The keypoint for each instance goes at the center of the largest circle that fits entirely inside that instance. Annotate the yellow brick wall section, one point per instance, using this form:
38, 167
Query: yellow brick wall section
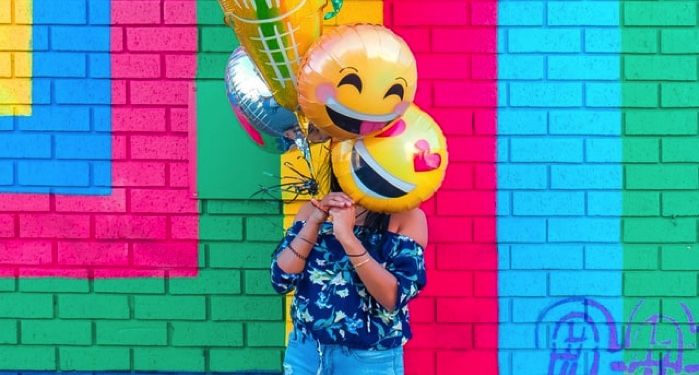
15, 57
353, 11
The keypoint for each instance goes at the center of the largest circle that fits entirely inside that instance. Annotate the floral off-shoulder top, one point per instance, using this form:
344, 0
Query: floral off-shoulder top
331, 303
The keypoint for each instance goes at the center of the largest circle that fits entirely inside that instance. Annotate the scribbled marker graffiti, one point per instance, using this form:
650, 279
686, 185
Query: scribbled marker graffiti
584, 326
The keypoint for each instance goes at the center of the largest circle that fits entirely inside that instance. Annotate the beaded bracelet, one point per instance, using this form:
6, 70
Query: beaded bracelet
296, 252
362, 263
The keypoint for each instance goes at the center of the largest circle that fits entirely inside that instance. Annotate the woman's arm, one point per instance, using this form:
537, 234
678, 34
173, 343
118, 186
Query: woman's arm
380, 283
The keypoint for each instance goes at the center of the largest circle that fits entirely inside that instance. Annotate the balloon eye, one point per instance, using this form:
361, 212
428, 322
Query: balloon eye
396, 89
352, 79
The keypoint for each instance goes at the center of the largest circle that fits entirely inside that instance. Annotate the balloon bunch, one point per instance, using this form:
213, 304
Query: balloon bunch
291, 87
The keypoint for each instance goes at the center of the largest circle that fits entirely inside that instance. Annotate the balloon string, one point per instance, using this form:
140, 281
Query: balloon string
337, 5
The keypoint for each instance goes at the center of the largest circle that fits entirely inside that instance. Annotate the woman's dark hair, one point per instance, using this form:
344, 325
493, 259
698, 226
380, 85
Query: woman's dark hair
374, 221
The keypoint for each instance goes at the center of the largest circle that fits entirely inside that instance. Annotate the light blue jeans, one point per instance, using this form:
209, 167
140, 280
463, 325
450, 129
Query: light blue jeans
306, 356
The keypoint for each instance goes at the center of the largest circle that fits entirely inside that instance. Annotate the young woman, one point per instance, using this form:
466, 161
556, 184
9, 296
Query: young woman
353, 279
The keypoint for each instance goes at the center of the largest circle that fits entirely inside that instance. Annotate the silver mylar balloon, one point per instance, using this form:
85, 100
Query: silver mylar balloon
273, 127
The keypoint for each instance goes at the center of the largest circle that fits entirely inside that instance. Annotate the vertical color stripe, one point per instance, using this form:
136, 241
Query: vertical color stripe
15, 57
559, 181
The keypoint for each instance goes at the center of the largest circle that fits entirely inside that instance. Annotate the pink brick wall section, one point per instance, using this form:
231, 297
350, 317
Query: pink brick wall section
148, 226
455, 318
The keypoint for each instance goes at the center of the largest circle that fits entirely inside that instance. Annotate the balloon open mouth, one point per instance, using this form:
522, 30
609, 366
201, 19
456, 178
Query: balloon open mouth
356, 122
374, 180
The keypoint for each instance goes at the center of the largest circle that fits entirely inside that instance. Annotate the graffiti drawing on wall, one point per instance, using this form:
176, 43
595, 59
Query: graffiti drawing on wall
579, 331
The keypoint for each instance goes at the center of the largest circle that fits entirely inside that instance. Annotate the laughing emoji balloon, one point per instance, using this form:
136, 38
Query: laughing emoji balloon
357, 79
394, 170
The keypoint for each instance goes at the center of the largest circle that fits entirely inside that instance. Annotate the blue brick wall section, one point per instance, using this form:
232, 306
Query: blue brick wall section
559, 177
65, 145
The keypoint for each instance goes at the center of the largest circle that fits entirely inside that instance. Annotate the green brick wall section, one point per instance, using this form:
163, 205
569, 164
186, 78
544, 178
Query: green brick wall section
660, 96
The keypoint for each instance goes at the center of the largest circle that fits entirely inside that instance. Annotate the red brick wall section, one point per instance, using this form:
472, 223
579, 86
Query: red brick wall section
455, 318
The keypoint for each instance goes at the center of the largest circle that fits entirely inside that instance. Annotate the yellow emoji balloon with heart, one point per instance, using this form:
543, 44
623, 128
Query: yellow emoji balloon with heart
397, 169
357, 79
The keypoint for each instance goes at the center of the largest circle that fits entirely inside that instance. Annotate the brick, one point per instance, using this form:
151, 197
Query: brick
583, 14
639, 40
438, 13
531, 40
207, 334
450, 229
130, 227
160, 92
641, 203
6, 173
94, 358
56, 332
660, 283
54, 226
7, 225
222, 228
641, 150
679, 95
265, 333
242, 255
603, 40
248, 308
585, 177
78, 118
680, 203
25, 146
173, 359
520, 13
162, 201
130, 286
180, 66
135, 12
603, 203
418, 37
131, 333
521, 283
73, 13
584, 68
520, 67
583, 230
208, 282
165, 39
669, 13
27, 252
656, 122
664, 230
452, 66
522, 177
471, 39
679, 40
258, 228
218, 39
545, 94
138, 174
588, 283
549, 149
23, 357
257, 282
661, 177
93, 306
84, 91
245, 359
609, 95
100, 66
90, 147
548, 203
93, 253
449, 284
53, 64
660, 68
169, 307
52, 173
518, 230
679, 258
611, 257
242, 207
607, 150
42, 284
184, 227
460, 94
116, 202
165, 254
680, 150
80, 38
179, 12
135, 66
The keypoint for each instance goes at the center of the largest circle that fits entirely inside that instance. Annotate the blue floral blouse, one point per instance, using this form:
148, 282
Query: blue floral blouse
332, 304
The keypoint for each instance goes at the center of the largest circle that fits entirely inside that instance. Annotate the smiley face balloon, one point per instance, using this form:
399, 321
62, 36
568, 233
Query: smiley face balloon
394, 170
356, 79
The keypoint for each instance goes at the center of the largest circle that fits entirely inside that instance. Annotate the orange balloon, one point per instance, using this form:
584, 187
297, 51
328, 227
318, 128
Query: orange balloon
356, 79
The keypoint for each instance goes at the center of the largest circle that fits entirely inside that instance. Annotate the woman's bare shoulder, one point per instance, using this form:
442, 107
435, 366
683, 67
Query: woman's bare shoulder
412, 223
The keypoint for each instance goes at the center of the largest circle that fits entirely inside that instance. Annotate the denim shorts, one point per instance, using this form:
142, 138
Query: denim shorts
306, 356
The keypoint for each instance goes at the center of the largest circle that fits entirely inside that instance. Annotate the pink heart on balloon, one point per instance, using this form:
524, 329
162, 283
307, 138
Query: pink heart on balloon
424, 160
